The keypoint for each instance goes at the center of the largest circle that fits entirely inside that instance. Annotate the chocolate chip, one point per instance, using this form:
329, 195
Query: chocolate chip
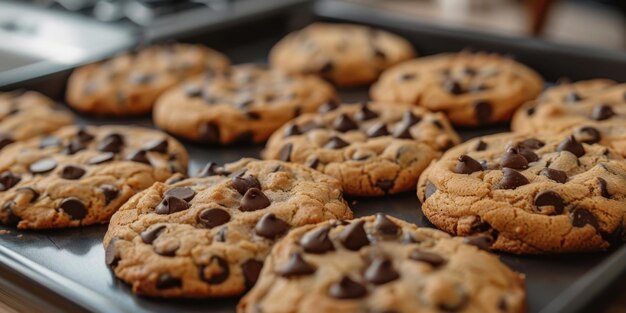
572, 97
150, 235
242, 104
285, 152
481, 145
74, 208
347, 288
602, 112
581, 217
223, 271
170, 205
111, 143
212, 169
5, 140
570, 144
270, 226
385, 185
512, 179
354, 237
111, 254
317, 241
10, 217
327, 68
101, 158
84, 136
386, 226
552, 200
482, 112
34, 194
435, 260
49, 141
292, 130
209, 132
403, 131
74, 146
604, 190
313, 163
296, 266
365, 113
453, 87
380, 271
43, 166
409, 119
344, 123
253, 200
242, 184
184, 193
167, 281
140, 157
590, 135
378, 130
407, 76
555, 175
251, 270
8, 180
379, 54
72, 172
481, 241
158, 145
330, 105
513, 159
110, 192
214, 217
531, 111
526, 152
430, 189
193, 91
336, 143
467, 165
140, 78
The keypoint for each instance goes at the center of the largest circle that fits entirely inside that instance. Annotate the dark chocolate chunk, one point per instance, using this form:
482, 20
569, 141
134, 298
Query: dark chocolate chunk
10, 218
570, 144
409, 119
158, 145
453, 87
215, 277
251, 270
430, 189
330, 105
111, 143
512, 179
140, 157
344, 123
8, 180
74, 146
604, 190
212, 169
386, 226
481, 145
532, 143
110, 192
111, 255
242, 184
192, 90
270, 226
209, 132
581, 217
170, 205
467, 165
431, 258
140, 78
43, 166
531, 111
602, 112
549, 199
555, 175
589, 135
385, 185
336, 143
317, 241
378, 130
292, 130
72, 172
513, 159
403, 131
482, 241
74, 208
83, 135
482, 112
5, 140
285, 152
184, 193
167, 281
213, 217
365, 113
347, 288
296, 266
150, 235
327, 68
381, 271
253, 200
101, 158
572, 97
313, 162
354, 237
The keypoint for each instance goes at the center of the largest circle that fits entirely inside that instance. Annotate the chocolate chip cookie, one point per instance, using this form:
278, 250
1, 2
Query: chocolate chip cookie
81, 176
373, 149
26, 114
345, 54
208, 236
245, 104
130, 83
529, 194
593, 111
472, 89
382, 264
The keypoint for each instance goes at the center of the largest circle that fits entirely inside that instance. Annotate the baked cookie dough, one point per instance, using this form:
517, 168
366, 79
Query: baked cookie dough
382, 264
208, 236
345, 54
26, 114
80, 176
472, 89
526, 194
245, 104
373, 149
594, 111
129, 84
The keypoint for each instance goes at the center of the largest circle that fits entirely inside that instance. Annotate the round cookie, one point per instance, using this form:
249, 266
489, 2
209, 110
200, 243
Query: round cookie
208, 236
472, 89
245, 104
593, 111
81, 176
373, 149
24, 115
529, 195
345, 54
382, 264
129, 84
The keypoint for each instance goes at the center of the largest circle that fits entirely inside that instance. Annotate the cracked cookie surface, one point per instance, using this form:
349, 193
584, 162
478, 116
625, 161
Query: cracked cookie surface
594, 111
245, 104
345, 54
472, 89
381, 264
528, 194
130, 83
24, 115
81, 176
208, 236
373, 149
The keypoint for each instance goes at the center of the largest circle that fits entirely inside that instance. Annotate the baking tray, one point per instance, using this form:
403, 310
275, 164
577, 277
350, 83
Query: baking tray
65, 271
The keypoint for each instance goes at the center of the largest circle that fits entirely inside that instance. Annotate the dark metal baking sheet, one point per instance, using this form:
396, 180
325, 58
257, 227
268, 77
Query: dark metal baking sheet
66, 266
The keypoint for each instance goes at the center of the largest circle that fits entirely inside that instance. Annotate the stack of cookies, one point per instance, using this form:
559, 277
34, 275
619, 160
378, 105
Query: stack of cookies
279, 228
